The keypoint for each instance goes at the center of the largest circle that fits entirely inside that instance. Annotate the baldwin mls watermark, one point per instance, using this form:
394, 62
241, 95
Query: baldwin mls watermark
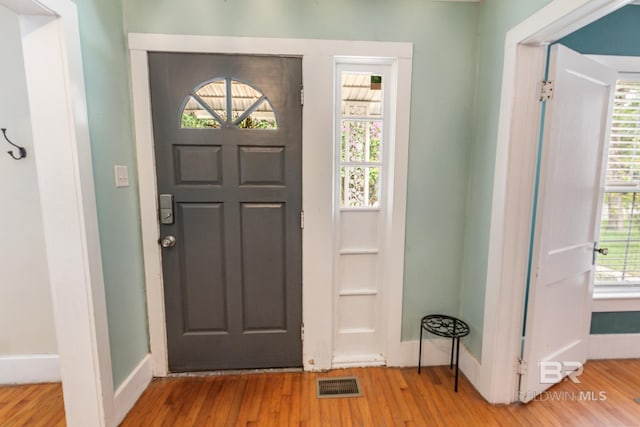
549, 396
552, 372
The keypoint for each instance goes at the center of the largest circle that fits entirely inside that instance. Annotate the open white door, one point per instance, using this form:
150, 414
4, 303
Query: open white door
559, 301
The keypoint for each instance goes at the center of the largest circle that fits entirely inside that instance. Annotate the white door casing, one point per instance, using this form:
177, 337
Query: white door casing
571, 184
318, 64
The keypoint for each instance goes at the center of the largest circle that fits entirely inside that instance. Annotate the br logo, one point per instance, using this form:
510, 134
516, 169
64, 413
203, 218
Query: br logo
552, 372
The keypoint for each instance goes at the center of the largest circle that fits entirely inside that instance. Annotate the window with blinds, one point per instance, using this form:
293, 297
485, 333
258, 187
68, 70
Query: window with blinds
620, 221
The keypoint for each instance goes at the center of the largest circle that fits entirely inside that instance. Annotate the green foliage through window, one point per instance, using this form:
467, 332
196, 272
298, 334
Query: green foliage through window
191, 121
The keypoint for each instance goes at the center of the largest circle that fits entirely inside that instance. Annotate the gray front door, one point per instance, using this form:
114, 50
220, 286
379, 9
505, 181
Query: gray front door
228, 142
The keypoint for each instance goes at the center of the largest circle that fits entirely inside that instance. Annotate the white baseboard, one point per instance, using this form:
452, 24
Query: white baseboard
470, 366
357, 361
435, 352
614, 346
30, 368
132, 388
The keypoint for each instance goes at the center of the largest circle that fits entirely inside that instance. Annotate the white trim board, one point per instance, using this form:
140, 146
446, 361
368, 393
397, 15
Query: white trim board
58, 110
622, 64
614, 346
30, 368
518, 129
360, 361
132, 388
318, 61
267, 46
22, 7
613, 303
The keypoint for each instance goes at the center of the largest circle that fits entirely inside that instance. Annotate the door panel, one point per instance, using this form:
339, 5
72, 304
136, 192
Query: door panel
233, 281
262, 166
575, 137
263, 275
203, 266
198, 165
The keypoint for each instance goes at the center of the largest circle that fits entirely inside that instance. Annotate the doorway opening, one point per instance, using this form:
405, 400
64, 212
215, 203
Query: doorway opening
525, 55
57, 109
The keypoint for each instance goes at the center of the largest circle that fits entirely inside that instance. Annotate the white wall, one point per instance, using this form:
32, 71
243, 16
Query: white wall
26, 317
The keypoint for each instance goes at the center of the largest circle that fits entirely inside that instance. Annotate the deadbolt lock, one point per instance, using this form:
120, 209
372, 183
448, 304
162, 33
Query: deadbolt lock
166, 209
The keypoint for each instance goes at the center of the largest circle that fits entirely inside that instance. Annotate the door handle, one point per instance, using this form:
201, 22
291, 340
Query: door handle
602, 251
597, 250
168, 242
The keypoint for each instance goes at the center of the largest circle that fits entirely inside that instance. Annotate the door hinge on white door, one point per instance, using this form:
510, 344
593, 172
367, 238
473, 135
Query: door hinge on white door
521, 367
302, 332
546, 91
301, 219
302, 96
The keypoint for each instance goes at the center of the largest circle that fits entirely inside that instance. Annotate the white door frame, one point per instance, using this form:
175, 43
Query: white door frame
58, 112
518, 132
318, 61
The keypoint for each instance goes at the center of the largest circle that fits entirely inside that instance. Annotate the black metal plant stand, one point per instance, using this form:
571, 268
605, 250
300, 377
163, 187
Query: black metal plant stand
447, 327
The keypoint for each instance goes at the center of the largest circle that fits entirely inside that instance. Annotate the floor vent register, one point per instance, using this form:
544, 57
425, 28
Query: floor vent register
338, 387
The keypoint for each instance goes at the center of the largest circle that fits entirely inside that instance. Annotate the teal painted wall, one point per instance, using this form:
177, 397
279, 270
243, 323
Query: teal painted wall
496, 18
444, 37
110, 125
616, 34
626, 322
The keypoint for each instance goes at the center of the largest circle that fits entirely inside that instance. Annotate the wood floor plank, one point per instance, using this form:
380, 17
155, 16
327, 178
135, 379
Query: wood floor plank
294, 404
203, 417
379, 397
250, 396
391, 397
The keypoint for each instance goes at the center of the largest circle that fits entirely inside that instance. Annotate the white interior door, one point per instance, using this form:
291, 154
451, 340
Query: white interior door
559, 300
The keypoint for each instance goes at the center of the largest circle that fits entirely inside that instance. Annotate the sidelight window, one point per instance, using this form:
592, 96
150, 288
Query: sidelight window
360, 134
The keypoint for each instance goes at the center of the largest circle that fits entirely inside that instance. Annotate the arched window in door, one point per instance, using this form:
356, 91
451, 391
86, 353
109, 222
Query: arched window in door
227, 103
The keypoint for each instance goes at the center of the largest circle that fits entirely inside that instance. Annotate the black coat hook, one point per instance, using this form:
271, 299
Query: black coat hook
21, 150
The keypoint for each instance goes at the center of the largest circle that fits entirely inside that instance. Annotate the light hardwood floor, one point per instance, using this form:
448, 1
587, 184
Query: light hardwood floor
392, 397
32, 405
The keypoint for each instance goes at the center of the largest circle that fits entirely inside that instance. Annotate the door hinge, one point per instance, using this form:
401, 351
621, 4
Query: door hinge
521, 367
301, 219
546, 92
302, 96
302, 332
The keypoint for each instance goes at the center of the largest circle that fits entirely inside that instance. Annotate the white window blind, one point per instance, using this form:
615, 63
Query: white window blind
623, 165
620, 222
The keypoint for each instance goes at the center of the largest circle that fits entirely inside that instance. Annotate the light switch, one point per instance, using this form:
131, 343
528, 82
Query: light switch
122, 176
